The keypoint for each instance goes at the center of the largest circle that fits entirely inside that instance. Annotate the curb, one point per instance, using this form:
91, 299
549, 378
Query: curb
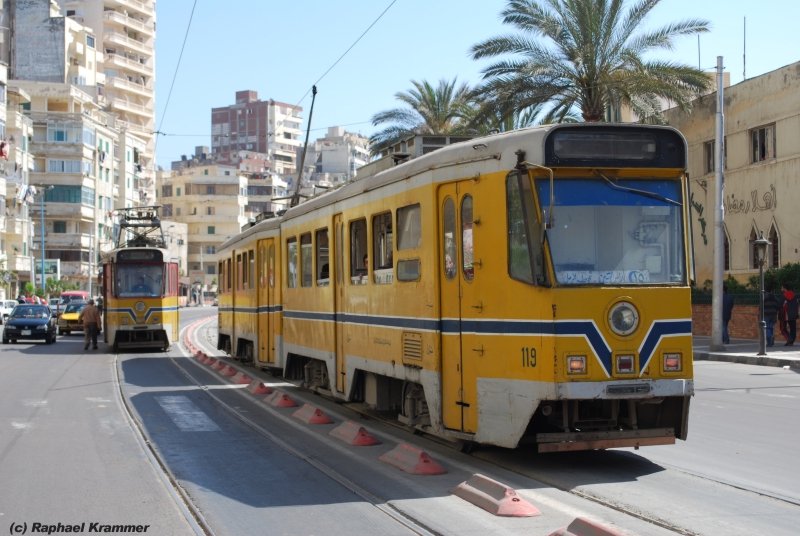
748, 359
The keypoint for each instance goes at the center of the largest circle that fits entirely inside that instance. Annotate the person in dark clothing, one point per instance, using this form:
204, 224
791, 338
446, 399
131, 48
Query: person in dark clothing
727, 312
790, 312
771, 306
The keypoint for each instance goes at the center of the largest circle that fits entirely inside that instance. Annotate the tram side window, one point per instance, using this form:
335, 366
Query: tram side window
359, 259
305, 259
239, 271
449, 239
245, 279
467, 246
409, 237
382, 248
291, 263
525, 257
271, 266
251, 270
323, 258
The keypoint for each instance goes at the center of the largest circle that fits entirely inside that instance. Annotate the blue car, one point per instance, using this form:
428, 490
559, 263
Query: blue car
30, 322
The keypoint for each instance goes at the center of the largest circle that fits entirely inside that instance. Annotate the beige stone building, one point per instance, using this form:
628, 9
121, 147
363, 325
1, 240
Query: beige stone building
210, 200
761, 171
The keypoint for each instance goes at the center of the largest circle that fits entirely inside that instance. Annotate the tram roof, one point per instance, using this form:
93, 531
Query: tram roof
481, 155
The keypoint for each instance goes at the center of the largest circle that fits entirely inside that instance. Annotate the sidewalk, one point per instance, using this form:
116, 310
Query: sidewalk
746, 351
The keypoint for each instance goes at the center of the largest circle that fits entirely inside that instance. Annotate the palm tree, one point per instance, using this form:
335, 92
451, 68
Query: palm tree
586, 55
439, 110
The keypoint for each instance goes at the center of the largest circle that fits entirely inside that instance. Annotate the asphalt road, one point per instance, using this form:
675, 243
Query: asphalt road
68, 452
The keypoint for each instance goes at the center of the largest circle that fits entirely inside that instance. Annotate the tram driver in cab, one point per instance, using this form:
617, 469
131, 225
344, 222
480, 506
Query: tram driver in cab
142, 288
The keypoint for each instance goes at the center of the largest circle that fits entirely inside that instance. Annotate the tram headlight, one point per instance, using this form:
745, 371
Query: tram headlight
672, 362
623, 318
576, 364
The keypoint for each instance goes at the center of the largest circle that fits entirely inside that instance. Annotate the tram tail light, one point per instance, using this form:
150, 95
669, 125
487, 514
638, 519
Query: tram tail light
625, 364
672, 362
576, 364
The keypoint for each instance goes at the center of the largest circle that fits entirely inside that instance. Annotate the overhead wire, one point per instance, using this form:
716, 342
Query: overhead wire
374, 22
174, 77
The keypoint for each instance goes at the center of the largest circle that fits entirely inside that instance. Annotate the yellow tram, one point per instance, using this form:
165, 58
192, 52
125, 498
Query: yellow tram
140, 285
526, 287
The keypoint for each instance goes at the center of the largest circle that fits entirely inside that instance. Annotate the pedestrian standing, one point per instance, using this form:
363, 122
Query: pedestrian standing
727, 312
90, 317
771, 306
790, 312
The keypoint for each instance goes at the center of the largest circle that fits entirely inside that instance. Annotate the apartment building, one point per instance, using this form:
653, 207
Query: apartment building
78, 152
75, 155
761, 171
210, 199
17, 230
124, 34
268, 127
337, 156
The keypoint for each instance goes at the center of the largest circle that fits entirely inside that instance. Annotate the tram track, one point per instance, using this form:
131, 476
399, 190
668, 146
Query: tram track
616, 503
379, 503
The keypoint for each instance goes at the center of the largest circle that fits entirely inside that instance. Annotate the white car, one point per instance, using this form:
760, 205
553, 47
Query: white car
6, 306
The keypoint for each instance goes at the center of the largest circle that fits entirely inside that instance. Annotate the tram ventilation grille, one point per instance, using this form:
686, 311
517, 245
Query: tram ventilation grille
412, 346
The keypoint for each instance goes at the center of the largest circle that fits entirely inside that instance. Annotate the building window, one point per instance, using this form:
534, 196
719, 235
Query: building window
90, 41
710, 159
753, 249
774, 248
59, 227
211, 229
763, 143
210, 211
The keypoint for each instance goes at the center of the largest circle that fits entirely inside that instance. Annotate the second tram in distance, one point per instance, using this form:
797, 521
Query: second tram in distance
140, 285
527, 287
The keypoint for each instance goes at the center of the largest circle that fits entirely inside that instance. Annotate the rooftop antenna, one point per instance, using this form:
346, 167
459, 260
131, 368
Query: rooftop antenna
698, 52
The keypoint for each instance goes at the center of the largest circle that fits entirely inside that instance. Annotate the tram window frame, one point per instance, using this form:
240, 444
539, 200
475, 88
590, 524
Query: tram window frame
251, 276
409, 227
323, 254
291, 262
358, 250
467, 237
449, 240
526, 229
245, 263
306, 263
239, 281
382, 244
271, 266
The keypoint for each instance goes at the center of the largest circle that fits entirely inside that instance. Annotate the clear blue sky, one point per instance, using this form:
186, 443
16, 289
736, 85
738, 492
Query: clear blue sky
280, 49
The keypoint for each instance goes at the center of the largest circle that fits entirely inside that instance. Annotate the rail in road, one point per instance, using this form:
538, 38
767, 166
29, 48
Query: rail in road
243, 479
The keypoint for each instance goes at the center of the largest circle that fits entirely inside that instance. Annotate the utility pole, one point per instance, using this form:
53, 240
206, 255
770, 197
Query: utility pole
719, 219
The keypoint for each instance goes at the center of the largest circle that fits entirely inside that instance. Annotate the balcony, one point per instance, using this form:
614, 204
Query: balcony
135, 5
130, 22
18, 263
141, 66
127, 106
124, 84
119, 38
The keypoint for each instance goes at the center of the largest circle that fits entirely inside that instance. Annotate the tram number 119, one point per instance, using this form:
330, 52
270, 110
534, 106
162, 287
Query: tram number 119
528, 357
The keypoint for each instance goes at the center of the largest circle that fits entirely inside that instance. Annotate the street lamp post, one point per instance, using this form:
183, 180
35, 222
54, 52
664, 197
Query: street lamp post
761, 254
41, 201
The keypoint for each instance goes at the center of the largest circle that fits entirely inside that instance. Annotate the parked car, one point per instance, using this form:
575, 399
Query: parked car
68, 321
6, 306
30, 322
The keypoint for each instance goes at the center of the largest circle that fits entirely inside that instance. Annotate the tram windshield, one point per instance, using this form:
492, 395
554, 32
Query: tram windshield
615, 231
139, 280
